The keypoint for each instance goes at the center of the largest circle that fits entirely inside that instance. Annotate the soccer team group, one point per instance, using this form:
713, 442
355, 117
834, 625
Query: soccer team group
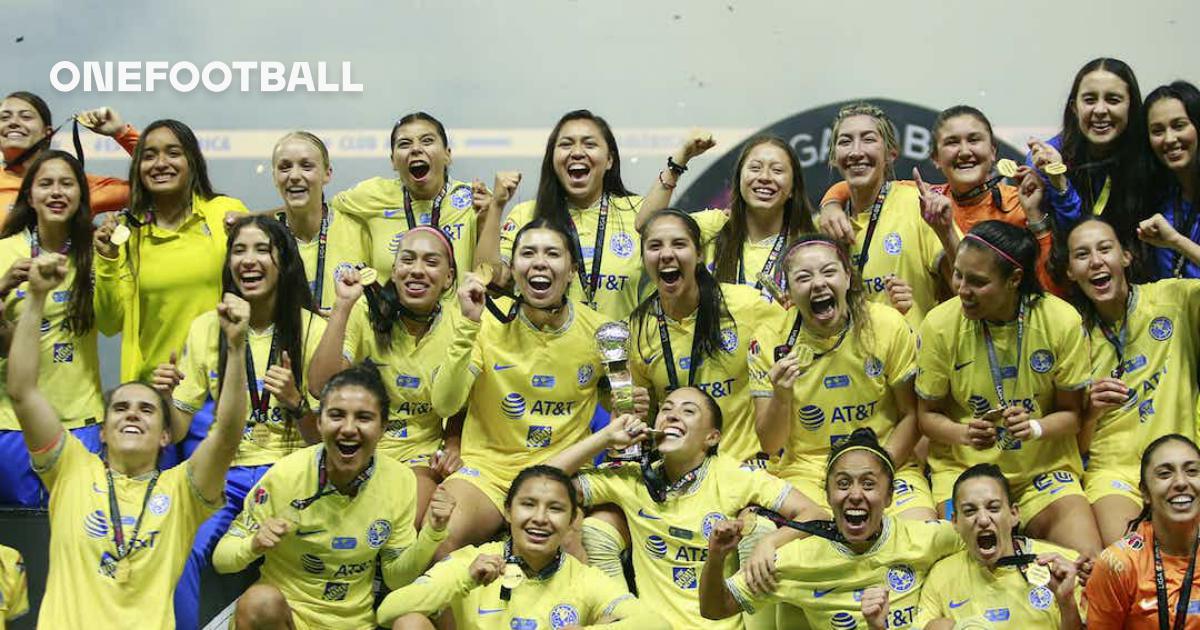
970, 404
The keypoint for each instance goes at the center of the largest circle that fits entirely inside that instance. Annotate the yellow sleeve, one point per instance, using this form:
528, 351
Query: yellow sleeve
608, 484
402, 562
762, 488
64, 461
357, 201
900, 355
234, 552
452, 381
1074, 370
609, 598
517, 218
741, 593
15, 587
112, 292
932, 597
193, 390
933, 360
710, 221
358, 327
444, 582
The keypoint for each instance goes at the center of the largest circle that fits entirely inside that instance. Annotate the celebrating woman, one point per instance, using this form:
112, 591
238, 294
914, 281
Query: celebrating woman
1145, 376
832, 364
52, 214
1002, 377
1172, 118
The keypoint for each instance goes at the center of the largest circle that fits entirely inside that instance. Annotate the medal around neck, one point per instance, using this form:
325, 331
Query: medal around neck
513, 576
1037, 575
804, 355
485, 272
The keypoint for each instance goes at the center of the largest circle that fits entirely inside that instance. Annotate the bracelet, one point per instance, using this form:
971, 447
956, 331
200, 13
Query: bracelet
665, 184
1041, 226
1035, 427
675, 167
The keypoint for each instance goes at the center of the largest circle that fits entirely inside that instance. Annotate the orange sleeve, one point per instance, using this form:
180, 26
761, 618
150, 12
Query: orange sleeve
838, 193
1110, 590
127, 138
108, 194
1045, 246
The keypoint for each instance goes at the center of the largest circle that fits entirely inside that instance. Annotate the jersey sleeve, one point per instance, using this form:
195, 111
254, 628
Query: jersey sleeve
761, 357
14, 586
405, 554
749, 601
357, 201
107, 194
609, 598
710, 221
193, 389
1189, 296
759, 487
838, 193
433, 591
1075, 369
518, 217
452, 380
933, 361
900, 355
234, 552
358, 327
61, 463
931, 606
608, 484
1110, 590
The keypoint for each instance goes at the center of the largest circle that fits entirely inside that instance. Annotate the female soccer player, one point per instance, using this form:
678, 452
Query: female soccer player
672, 505
1000, 577
527, 581
768, 207
25, 132
168, 272
263, 267
1145, 580
324, 514
404, 332
422, 194
862, 563
121, 528
580, 191
1002, 377
694, 331
1172, 117
1101, 144
52, 214
1144, 361
835, 363
330, 242
536, 364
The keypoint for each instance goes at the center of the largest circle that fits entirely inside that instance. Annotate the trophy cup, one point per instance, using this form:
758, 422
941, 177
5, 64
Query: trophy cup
612, 340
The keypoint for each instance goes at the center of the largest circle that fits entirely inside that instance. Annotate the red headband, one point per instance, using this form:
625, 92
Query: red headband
998, 251
441, 236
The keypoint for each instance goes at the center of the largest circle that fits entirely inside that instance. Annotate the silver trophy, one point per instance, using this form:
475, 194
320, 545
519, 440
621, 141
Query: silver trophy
612, 340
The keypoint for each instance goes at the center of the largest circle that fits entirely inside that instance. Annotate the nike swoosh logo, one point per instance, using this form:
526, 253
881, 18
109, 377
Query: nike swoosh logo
496, 367
488, 611
954, 604
817, 593
650, 359
642, 513
959, 366
308, 532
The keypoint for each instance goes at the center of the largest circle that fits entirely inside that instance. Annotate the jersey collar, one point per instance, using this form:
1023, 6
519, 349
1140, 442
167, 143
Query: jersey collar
885, 533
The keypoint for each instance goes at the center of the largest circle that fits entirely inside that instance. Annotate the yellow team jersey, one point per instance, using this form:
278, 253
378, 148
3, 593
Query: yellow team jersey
14, 589
200, 364
535, 392
825, 579
69, 366
85, 588
165, 279
725, 376
961, 589
325, 565
903, 245
572, 595
755, 254
414, 429
848, 388
670, 539
953, 364
1159, 364
618, 284
347, 244
379, 202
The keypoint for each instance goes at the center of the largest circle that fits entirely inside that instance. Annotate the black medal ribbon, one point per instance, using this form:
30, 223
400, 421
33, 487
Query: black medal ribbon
994, 362
591, 283
125, 548
322, 241
435, 211
664, 338
324, 488
1185, 591
260, 401
872, 223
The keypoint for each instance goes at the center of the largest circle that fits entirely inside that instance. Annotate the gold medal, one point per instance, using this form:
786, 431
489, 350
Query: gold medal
748, 525
119, 235
1006, 167
1055, 168
1037, 575
804, 355
367, 276
485, 272
123, 571
513, 576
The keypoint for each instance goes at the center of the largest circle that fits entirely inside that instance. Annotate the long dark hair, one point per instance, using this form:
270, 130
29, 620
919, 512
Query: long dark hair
542, 471
1060, 261
81, 315
856, 295
1126, 166
364, 375
43, 110
711, 309
568, 237
797, 210
292, 294
1146, 512
1162, 181
551, 195
414, 117
198, 183
1018, 243
384, 307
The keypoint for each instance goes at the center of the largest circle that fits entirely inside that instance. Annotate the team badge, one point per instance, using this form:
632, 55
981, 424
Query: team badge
710, 522
892, 243
1041, 598
1041, 361
729, 340
656, 547
513, 406
159, 504
260, 495
901, 578
621, 244
873, 367
585, 374
378, 533
61, 297
1161, 328
563, 615
341, 270
461, 198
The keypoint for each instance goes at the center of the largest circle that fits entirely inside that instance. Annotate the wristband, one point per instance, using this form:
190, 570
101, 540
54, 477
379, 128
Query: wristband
677, 168
1041, 226
664, 184
1035, 427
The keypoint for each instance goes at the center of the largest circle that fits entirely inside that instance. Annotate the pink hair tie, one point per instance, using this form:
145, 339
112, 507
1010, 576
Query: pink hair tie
816, 241
441, 236
998, 251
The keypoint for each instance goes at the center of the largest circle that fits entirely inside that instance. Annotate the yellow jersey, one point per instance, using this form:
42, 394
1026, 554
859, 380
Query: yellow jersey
347, 244
200, 365
960, 588
1159, 364
755, 254
725, 376
379, 203
534, 391
620, 275
670, 539
14, 588
851, 386
325, 565
69, 367
825, 579
953, 364
552, 601
165, 279
86, 588
413, 429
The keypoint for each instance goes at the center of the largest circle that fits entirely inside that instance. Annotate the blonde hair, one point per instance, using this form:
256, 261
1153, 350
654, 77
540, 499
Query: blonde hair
883, 124
303, 136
